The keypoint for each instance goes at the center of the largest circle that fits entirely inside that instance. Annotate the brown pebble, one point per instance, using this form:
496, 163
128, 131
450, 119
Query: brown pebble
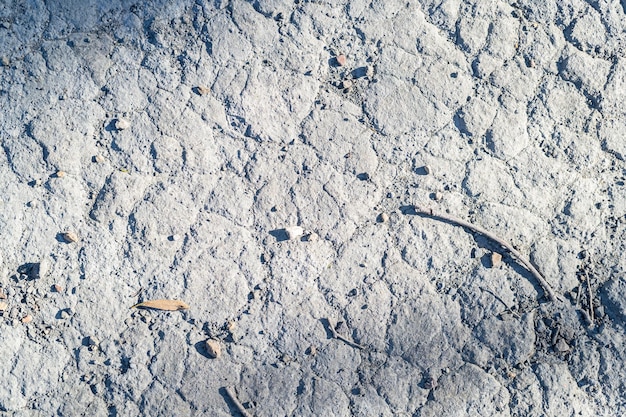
341, 60
213, 348
58, 288
383, 218
3, 305
70, 237
231, 325
99, 159
203, 90
5, 61
27, 319
3, 296
496, 259
312, 350
60, 174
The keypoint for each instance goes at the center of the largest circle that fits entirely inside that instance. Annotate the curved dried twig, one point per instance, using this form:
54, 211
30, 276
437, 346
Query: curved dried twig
530, 267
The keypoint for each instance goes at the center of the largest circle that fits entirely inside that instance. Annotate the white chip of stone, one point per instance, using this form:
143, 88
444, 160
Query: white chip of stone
294, 232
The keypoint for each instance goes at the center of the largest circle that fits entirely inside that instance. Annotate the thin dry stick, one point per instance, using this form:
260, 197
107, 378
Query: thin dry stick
546, 287
591, 316
342, 338
231, 394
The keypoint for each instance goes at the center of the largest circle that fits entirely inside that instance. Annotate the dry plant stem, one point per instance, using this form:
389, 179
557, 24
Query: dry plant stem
591, 316
342, 338
231, 394
544, 284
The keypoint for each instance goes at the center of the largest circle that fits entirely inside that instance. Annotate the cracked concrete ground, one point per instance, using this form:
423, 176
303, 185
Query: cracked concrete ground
178, 140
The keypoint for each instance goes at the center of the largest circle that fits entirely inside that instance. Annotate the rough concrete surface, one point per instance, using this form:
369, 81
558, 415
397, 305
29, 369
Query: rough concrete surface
259, 160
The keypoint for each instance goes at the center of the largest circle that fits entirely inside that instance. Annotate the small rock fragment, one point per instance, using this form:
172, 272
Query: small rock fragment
496, 259
32, 203
294, 232
312, 350
65, 314
5, 61
312, 237
60, 174
122, 124
438, 196
427, 169
346, 84
3, 305
341, 60
70, 237
99, 159
92, 341
562, 346
203, 90
27, 319
383, 218
370, 71
213, 348
3, 296
57, 288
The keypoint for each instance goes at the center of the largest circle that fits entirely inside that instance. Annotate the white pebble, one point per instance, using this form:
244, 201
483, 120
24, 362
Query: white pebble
312, 237
122, 124
294, 232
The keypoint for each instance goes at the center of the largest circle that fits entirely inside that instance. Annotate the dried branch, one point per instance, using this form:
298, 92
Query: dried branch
544, 284
343, 338
231, 394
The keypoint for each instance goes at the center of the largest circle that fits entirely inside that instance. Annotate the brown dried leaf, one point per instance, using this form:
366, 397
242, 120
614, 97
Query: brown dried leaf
169, 305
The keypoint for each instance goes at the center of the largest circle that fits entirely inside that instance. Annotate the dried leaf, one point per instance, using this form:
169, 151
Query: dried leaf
169, 305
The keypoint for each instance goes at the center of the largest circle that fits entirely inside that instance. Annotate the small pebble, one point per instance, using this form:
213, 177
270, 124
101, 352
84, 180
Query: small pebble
5, 61
438, 196
57, 288
92, 341
383, 218
312, 350
27, 319
3, 305
60, 174
294, 232
213, 348
346, 84
32, 203
3, 296
312, 237
122, 124
370, 71
562, 346
70, 237
99, 159
174, 238
496, 259
341, 60
38, 182
65, 314
203, 90
43, 268
427, 169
